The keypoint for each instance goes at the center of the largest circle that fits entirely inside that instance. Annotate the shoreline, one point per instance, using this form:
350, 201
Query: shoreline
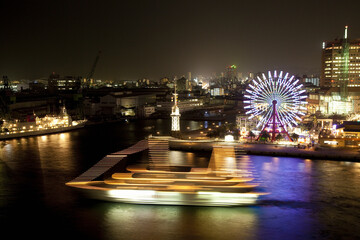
270, 150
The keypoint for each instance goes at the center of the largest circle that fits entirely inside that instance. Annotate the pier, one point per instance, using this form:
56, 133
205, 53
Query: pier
270, 149
107, 163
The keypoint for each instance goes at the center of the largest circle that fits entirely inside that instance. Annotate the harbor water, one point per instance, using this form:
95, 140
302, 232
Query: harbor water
309, 199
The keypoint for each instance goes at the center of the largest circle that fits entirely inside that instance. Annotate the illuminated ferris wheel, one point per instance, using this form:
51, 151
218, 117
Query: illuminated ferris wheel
276, 101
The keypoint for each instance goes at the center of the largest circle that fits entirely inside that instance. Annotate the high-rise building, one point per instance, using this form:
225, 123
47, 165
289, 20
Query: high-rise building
231, 72
341, 63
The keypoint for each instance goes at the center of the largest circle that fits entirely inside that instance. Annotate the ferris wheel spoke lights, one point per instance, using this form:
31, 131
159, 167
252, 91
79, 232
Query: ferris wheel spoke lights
276, 101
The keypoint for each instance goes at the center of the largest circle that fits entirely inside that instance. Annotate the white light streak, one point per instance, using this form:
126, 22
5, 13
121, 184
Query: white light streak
288, 93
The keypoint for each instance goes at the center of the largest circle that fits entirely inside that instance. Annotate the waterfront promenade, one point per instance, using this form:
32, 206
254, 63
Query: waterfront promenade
270, 149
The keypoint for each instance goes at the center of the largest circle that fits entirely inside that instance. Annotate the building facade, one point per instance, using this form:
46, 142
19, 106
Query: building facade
57, 83
314, 80
340, 62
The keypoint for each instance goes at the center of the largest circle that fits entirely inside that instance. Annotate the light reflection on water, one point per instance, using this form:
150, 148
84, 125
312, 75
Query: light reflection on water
309, 199
176, 222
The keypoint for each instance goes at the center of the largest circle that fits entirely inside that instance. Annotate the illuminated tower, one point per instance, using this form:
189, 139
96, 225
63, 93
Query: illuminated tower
175, 116
344, 69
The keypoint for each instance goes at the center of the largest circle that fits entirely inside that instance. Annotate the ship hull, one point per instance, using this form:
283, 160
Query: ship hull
5, 136
172, 198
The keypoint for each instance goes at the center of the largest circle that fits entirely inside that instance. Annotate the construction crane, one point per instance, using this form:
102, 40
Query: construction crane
91, 73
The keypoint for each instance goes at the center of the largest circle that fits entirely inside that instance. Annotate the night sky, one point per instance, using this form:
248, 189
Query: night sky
164, 38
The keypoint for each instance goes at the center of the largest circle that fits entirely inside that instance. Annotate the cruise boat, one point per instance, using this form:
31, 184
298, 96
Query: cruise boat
40, 126
227, 181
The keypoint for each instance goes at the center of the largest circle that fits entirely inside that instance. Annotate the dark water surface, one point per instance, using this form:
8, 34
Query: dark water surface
308, 200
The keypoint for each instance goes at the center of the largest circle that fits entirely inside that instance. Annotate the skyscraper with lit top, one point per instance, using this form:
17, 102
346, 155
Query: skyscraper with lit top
341, 74
341, 63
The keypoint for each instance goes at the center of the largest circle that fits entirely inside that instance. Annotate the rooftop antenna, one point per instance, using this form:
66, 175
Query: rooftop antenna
346, 32
175, 94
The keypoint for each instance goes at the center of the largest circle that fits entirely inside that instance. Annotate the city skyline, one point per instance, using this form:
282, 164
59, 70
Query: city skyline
154, 39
